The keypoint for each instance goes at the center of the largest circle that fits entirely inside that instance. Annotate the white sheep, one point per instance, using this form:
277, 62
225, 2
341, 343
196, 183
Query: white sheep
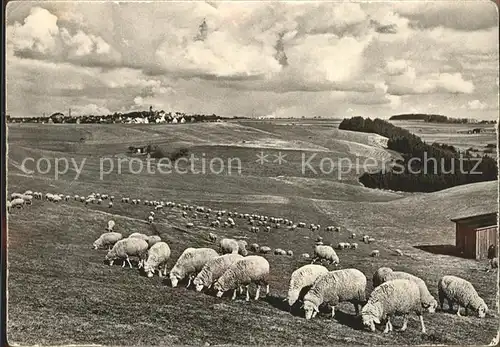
152, 240
242, 250
395, 297
354, 245
111, 225
251, 269
28, 199
458, 290
289, 253
8, 206
305, 255
385, 274
302, 279
151, 219
323, 252
190, 263
264, 249
107, 240
16, 196
398, 252
254, 247
110, 204
125, 248
212, 237
158, 255
228, 246
17, 202
334, 287
213, 269
138, 236
375, 253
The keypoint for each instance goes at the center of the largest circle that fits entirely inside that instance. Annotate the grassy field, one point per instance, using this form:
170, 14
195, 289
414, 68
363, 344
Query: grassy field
61, 292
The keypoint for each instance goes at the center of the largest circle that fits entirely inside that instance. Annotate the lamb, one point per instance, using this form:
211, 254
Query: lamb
334, 287
125, 248
385, 274
107, 239
214, 269
251, 269
228, 246
152, 240
158, 255
322, 252
190, 263
302, 279
111, 225
457, 290
395, 297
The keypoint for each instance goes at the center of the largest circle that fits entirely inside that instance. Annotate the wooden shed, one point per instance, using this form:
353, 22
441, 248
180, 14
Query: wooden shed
475, 234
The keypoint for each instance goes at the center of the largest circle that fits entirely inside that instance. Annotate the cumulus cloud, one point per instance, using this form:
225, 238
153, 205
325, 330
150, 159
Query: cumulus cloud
40, 37
90, 109
476, 105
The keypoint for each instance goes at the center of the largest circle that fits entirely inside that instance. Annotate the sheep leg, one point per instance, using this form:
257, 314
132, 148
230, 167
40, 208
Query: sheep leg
111, 263
333, 311
241, 290
422, 324
356, 308
388, 325
124, 262
234, 295
267, 289
248, 295
405, 323
129, 263
189, 282
257, 292
458, 311
160, 272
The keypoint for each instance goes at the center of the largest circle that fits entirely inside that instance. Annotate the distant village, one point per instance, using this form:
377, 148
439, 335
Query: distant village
136, 117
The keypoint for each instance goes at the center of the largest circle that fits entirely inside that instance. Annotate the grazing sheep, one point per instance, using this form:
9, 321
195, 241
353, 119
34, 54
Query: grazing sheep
190, 263
228, 246
375, 253
28, 199
305, 255
264, 249
322, 252
279, 251
385, 274
158, 255
334, 287
151, 219
353, 236
110, 204
457, 290
254, 247
365, 239
17, 202
289, 253
152, 240
189, 225
107, 240
125, 248
242, 244
354, 245
493, 264
251, 269
371, 240
19, 195
395, 297
212, 237
302, 279
112, 197
214, 269
138, 236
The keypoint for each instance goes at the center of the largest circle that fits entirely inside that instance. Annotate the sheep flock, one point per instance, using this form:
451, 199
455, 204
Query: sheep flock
231, 265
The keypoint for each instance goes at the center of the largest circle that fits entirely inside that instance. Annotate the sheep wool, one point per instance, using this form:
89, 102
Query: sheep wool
334, 287
107, 240
152, 240
138, 236
395, 297
242, 250
458, 290
125, 248
190, 262
323, 252
158, 255
213, 269
387, 274
302, 279
251, 269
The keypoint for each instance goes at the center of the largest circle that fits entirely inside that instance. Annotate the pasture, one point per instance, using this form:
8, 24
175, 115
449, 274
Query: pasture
60, 291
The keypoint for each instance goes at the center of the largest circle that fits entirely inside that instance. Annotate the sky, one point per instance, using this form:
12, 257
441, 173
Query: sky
282, 59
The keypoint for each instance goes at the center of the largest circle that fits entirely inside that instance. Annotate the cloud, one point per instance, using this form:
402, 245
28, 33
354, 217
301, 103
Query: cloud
476, 105
457, 15
40, 37
90, 109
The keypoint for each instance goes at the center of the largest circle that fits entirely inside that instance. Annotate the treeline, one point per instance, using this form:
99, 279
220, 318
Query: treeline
435, 118
425, 167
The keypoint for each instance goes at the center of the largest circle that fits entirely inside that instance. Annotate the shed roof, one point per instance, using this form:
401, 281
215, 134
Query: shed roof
472, 217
